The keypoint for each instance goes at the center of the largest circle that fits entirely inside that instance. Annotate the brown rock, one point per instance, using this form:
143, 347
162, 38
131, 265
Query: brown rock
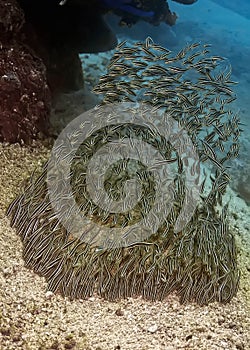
24, 94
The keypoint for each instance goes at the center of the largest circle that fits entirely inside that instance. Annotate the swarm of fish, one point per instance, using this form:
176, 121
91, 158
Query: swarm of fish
198, 263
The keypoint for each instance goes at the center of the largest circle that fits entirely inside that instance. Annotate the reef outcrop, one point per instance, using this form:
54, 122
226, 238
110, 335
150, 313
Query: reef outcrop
40, 45
25, 97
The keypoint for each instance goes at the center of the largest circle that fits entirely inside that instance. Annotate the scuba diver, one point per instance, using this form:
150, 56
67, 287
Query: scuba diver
152, 11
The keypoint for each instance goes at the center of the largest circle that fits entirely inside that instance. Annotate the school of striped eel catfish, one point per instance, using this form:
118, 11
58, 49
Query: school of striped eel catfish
199, 262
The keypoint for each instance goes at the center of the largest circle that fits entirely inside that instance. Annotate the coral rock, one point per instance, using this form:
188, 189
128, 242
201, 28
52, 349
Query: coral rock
11, 17
25, 97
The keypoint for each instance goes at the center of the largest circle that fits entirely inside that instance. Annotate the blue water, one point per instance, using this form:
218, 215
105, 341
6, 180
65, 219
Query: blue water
226, 26
206, 21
